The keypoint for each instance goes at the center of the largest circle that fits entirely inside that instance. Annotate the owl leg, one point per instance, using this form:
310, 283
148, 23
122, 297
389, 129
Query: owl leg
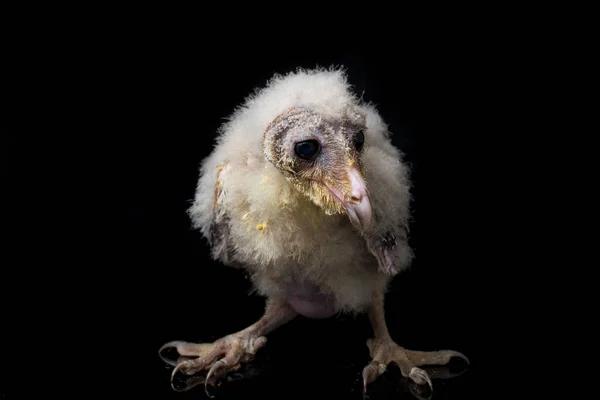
216, 359
383, 351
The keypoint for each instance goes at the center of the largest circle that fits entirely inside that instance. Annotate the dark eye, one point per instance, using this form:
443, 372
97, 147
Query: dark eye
307, 149
359, 141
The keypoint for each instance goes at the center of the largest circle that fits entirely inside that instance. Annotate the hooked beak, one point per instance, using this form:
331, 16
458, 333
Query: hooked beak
356, 202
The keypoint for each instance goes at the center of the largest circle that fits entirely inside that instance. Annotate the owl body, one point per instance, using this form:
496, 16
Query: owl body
256, 215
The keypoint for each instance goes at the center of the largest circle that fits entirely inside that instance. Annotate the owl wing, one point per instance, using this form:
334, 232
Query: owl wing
218, 236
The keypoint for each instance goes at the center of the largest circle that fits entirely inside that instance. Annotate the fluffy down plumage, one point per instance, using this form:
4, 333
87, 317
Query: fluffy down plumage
255, 219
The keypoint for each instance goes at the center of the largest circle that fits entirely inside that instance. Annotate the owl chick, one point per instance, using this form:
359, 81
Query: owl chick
305, 191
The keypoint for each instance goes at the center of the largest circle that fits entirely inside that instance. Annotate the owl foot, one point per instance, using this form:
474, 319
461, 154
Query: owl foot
209, 362
384, 352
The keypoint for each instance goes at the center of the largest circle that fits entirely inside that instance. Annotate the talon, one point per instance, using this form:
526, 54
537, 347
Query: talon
458, 354
441, 357
183, 349
184, 367
371, 372
170, 345
420, 377
189, 383
217, 365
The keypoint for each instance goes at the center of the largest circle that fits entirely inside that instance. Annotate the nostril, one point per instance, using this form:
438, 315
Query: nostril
355, 198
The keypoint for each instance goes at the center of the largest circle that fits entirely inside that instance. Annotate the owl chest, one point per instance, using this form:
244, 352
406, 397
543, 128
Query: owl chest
319, 244
329, 242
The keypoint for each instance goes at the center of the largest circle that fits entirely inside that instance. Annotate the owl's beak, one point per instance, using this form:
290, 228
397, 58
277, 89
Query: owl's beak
355, 200
359, 206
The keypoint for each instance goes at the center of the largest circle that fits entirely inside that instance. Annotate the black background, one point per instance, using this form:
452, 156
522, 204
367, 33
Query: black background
127, 106
180, 294
128, 112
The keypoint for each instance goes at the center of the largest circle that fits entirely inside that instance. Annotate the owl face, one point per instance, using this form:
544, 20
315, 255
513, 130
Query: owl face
322, 158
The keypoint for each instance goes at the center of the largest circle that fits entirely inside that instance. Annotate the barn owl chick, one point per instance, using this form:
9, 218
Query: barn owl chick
305, 191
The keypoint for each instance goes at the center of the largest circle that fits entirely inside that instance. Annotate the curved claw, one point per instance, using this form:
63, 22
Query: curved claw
183, 366
173, 343
371, 372
164, 347
217, 365
441, 357
457, 354
182, 348
420, 377
190, 382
